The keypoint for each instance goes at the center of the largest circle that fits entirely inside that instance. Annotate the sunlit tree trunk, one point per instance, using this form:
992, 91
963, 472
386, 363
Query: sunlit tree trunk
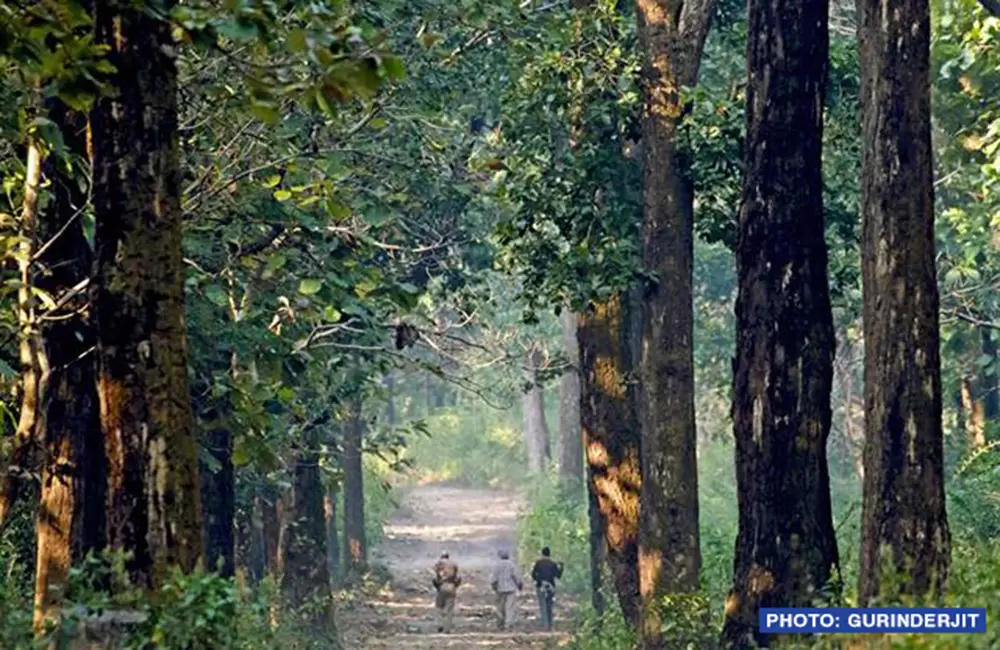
152, 450
71, 510
904, 523
612, 445
786, 549
671, 38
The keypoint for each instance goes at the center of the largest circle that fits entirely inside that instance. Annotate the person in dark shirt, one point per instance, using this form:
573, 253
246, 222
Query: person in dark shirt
545, 573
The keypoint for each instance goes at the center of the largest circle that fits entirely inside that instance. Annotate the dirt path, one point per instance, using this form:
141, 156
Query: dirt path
472, 525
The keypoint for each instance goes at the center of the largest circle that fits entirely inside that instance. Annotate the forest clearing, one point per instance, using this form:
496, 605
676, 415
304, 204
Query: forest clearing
583, 324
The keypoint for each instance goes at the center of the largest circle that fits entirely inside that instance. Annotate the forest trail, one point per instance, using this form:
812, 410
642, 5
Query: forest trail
471, 524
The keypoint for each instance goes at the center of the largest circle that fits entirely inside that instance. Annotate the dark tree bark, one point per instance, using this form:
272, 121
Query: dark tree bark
904, 523
612, 444
671, 38
306, 575
218, 498
138, 297
71, 512
355, 545
786, 549
536, 429
570, 437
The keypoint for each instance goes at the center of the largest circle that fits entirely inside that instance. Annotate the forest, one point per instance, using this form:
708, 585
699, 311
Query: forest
297, 297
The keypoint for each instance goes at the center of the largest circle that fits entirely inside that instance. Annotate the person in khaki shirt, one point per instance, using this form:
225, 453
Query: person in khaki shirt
446, 582
506, 582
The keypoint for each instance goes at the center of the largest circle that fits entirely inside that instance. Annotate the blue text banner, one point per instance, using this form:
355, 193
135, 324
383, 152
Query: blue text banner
874, 620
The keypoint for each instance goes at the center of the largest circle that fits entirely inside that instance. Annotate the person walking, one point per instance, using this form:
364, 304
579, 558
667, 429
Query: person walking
506, 582
545, 573
446, 582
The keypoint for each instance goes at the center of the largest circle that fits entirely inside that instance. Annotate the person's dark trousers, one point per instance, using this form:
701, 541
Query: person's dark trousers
546, 596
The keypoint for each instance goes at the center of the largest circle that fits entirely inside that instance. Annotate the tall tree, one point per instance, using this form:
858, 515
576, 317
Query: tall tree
355, 544
71, 511
306, 575
671, 38
536, 429
783, 374
612, 447
138, 298
904, 523
570, 440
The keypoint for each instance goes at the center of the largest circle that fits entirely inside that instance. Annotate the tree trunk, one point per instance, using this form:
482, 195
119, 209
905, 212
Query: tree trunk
904, 523
332, 538
22, 467
783, 373
71, 513
355, 546
146, 418
853, 430
571, 440
989, 387
536, 430
671, 38
306, 575
598, 552
271, 519
975, 414
612, 439
219, 501
257, 547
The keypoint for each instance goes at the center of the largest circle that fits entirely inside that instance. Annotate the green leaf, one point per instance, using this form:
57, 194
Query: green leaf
216, 295
310, 286
331, 314
394, 67
265, 112
365, 288
337, 210
378, 123
282, 195
272, 181
241, 455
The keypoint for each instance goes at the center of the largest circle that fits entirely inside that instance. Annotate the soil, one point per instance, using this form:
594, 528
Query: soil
472, 525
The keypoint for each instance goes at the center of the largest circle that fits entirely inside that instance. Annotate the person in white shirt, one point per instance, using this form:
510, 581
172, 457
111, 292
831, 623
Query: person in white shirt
506, 583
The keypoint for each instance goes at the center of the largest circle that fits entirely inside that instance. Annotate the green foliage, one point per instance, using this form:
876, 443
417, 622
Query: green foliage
608, 632
557, 520
473, 446
571, 191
